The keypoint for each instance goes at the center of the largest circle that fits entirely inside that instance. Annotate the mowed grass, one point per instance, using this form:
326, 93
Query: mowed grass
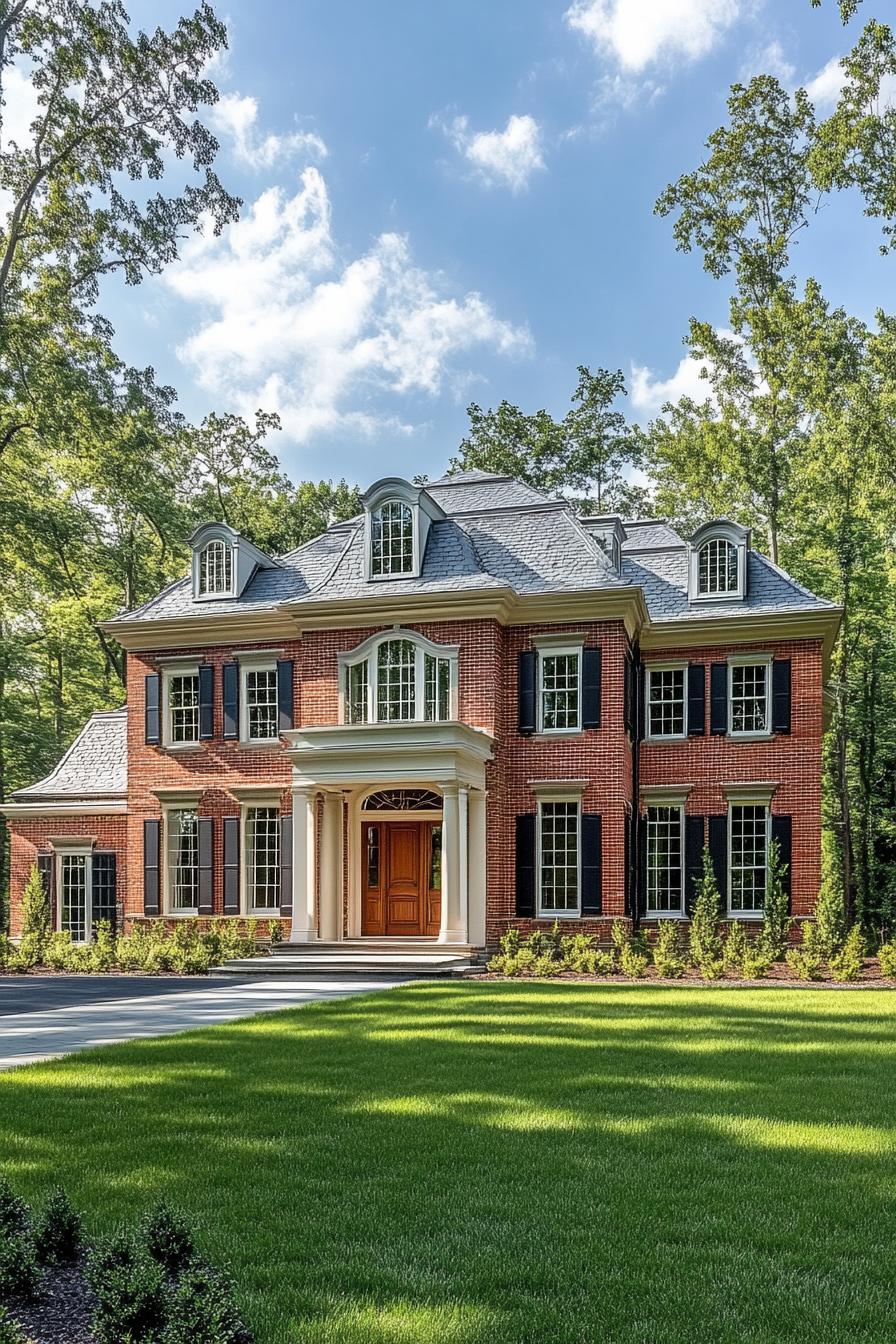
505, 1162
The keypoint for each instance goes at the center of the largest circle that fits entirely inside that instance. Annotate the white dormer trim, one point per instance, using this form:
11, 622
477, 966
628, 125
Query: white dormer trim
720, 529
424, 511
245, 559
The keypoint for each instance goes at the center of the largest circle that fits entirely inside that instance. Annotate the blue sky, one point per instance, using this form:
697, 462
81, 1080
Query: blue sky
454, 203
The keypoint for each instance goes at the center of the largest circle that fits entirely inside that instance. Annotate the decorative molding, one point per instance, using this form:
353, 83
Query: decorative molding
750, 791
553, 788
82, 807
665, 795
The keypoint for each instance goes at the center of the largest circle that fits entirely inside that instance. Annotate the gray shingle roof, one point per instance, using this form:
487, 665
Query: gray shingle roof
95, 765
663, 576
649, 534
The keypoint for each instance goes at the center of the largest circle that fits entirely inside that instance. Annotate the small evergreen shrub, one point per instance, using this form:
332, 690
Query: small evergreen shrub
57, 1231
9, 1331
846, 965
19, 1270
130, 1290
669, 951
167, 1237
887, 956
705, 937
57, 950
756, 962
29, 952
275, 932
805, 964
776, 921
203, 1310
6, 949
15, 1216
102, 950
830, 908
544, 965
36, 921
735, 948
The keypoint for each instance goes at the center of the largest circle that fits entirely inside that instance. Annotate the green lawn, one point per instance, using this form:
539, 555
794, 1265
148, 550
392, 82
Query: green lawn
506, 1162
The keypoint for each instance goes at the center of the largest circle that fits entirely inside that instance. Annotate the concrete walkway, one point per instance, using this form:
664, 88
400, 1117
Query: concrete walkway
44, 1017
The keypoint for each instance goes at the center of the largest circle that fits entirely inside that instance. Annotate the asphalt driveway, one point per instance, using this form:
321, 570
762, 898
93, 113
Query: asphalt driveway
42, 1017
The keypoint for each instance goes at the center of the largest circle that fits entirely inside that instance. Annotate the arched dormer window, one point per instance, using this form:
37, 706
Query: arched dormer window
215, 568
718, 562
399, 677
391, 539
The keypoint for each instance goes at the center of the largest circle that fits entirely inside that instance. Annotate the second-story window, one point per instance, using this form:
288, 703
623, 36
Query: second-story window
665, 702
260, 698
717, 568
559, 686
215, 569
391, 539
396, 691
749, 698
399, 680
183, 707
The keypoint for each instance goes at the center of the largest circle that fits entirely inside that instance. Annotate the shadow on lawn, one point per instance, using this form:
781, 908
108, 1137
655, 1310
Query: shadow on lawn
511, 1163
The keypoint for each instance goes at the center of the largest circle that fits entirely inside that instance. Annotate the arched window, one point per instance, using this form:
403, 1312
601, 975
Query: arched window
717, 567
391, 539
398, 679
215, 568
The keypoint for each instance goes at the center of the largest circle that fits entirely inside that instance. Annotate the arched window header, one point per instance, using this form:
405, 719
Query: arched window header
398, 676
717, 562
223, 562
398, 517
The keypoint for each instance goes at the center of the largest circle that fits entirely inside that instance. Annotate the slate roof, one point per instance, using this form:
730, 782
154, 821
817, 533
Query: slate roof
498, 533
95, 765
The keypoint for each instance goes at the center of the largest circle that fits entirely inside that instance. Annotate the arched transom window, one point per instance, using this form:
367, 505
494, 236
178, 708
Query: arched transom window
215, 568
399, 679
391, 539
717, 567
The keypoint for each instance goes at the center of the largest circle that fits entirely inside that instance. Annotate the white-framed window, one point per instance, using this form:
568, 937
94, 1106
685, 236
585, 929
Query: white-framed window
749, 696
391, 539
559, 847
560, 690
75, 915
399, 677
717, 568
666, 702
261, 847
749, 827
215, 568
258, 703
181, 688
182, 861
665, 860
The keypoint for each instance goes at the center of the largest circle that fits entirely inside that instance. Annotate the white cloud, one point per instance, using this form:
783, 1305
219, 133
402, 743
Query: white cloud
649, 393
289, 325
236, 116
824, 88
636, 33
768, 60
19, 106
505, 158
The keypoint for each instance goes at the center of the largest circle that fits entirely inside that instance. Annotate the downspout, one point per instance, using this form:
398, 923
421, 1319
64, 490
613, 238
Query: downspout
635, 842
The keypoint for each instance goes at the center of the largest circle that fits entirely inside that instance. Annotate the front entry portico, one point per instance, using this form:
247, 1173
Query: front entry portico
361, 869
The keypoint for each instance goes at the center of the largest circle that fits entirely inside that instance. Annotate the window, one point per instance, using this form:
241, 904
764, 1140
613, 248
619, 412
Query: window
717, 572
560, 679
398, 679
665, 702
260, 698
665, 865
558, 858
263, 859
183, 861
215, 568
183, 707
749, 827
391, 539
749, 692
74, 905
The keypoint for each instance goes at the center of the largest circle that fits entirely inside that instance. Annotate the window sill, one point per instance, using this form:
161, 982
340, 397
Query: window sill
250, 744
178, 914
552, 734
665, 914
658, 739
266, 914
751, 737
179, 747
752, 916
559, 914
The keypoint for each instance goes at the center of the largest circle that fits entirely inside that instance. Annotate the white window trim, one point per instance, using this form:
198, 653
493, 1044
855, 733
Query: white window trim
394, 497
678, 666
735, 537
198, 551
247, 665
188, 669
750, 916
84, 851
187, 803
750, 660
680, 913
571, 797
272, 801
368, 652
546, 650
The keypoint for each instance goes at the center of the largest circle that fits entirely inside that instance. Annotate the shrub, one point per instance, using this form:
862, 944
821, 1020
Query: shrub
498, 964
756, 962
776, 921
15, 1216
6, 949
29, 952
57, 949
735, 947
525, 959
669, 950
35, 909
847, 964
102, 949
19, 1271
807, 961
830, 909
510, 942
619, 934
544, 966
57, 1231
167, 1237
887, 956
130, 1290
706, 933
275, 932
203, 1310
9, 1331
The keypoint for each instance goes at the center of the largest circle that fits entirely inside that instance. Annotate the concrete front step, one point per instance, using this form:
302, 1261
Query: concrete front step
352, 963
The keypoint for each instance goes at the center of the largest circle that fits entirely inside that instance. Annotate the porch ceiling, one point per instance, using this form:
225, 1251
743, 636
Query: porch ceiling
389, 754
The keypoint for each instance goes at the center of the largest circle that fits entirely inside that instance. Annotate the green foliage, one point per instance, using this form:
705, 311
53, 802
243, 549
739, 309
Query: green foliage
15, 1216
130, 1290
167, 1237
830, 909
203, 1310
35, 909
776, 920
19, 1270
887, 956
6, 950
846, 965
705, 938
9, 1331
275, 932
805, 963
756, 962
57, 1231
670, 950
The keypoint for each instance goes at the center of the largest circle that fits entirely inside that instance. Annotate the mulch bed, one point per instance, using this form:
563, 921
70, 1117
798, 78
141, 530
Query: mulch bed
61, 1312
779, 977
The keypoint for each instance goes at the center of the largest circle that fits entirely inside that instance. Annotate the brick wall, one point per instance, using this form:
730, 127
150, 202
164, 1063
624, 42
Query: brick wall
31, 836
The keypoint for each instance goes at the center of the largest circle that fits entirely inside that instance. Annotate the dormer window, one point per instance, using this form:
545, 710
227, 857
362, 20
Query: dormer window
717, 571
399, 677
215, 569
391, 539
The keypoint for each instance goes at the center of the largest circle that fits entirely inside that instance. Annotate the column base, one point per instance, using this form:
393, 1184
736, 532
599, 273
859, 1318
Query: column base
303, 935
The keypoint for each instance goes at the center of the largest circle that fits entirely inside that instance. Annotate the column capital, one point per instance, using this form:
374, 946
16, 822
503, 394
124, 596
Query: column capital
450, 790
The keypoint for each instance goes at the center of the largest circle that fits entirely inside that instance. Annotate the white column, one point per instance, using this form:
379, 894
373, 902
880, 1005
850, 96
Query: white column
331, 869
458, 923
304, 923
450, 861
476, 879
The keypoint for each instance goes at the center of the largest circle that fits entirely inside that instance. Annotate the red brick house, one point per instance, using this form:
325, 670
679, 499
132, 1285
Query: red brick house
466, 708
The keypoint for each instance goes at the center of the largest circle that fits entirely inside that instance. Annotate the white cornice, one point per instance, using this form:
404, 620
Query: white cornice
189, 632
78, 807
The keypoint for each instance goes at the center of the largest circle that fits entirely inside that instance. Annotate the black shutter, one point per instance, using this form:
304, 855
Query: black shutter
206, 827
696, 700
781, 695
693, 859
591, 679
718, 692
525, 865
526, 692
46, 867
627, 862
102, 889
591, 864
286, 865
231, 865
718, 852
284, 694
640, 901
230, 699
206, 701
628, 695
782, 831
152, 838
153, 707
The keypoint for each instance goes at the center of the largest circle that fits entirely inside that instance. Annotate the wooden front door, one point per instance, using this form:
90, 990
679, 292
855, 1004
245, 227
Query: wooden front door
401, 878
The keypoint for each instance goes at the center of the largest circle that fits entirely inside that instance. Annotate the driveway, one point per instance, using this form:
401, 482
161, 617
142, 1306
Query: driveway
42, 1017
